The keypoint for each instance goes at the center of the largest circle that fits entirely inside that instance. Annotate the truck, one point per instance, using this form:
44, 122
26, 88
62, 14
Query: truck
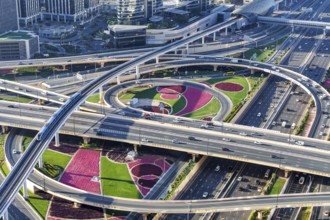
283, 124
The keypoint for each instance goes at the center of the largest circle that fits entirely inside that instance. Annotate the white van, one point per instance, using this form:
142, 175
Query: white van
301, 180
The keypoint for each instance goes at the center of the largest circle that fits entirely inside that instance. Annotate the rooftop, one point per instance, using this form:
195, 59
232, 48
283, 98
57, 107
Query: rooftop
19, 35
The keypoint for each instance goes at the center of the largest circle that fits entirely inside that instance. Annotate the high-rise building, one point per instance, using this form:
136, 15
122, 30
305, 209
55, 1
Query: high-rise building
92, 5
8, 16
65, 10
132, 11
28, 11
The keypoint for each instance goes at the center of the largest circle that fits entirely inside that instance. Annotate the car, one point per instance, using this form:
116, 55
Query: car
16, 87
249, 186
210, 123
217, 168
239, 179
191, 138
301, 143
291, 140
323, 126
204, 126
258, 182
288, 109
274, 123
61, 99
145, 140
138, 82
175, 141
297, 100
225, 149
177, 119
259, 189
321, 133
15, 151
325, 116
274, 156
11, 106
69, 60
243, 133
257, 142
240, 188
326, 213
226, 139
259, 114
205, 194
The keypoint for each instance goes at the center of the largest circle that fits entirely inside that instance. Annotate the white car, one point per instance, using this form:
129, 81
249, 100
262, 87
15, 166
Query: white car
61, 99
144, 140
226, 139
301, 143
243, 133
257, 142
205, 194
175, 141
204, 126
217, 168
239, 179
259, 114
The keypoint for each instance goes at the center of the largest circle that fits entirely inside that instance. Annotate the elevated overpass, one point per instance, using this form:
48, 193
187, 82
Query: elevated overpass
294, 22
25, 165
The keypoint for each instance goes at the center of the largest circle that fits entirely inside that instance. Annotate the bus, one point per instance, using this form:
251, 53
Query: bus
267, 173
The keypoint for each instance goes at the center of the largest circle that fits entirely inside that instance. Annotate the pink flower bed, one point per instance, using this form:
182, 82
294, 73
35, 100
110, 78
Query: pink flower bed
327, 83
196, 99
146, 171
157, 110
169, 96
83, 166
171, 89
230, 87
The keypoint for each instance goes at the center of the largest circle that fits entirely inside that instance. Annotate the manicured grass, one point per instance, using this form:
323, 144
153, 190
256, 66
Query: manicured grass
26, 141
52, 161
235, 97
3, 166
39, 204
94, 98
116, 180
210, 109
15, 98
143, 93
305, 213
278, 185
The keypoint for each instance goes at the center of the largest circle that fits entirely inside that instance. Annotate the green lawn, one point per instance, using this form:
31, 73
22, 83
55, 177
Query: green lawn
177, 104
116, 180
54, 160
39, 204
94, 98
235, 97
277, 186
15, 98
210, 109
3, 166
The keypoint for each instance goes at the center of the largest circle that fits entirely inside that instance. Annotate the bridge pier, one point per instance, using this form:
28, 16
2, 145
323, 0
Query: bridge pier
292, 28
157, 59
215, 68
5, 215
40, 162
76, 205
252, 71
137, 72
101, 92
324, 32
145, 216
226, 31
57, 139
286, 173
193, 157
259, 215
40, 101
187, 48
102, 64
25, 195
175, 51
214, 35
118, 80
4, 129
135, 148
86, 140
203, 40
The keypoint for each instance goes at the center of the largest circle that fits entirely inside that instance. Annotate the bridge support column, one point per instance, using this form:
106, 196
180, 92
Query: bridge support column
157, 59
86, 140
187, 48
5, 215
76, 205
101, 92
259, 215
214, 35
203, 40
137, 72
193, 157
57, 139
4, 129
102, 64
40, 162
135, 148
215, 67
324, 32
292, 28
226, 31
25, 195
286, 173
118, 80
40, 101
145, 216
252, 71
